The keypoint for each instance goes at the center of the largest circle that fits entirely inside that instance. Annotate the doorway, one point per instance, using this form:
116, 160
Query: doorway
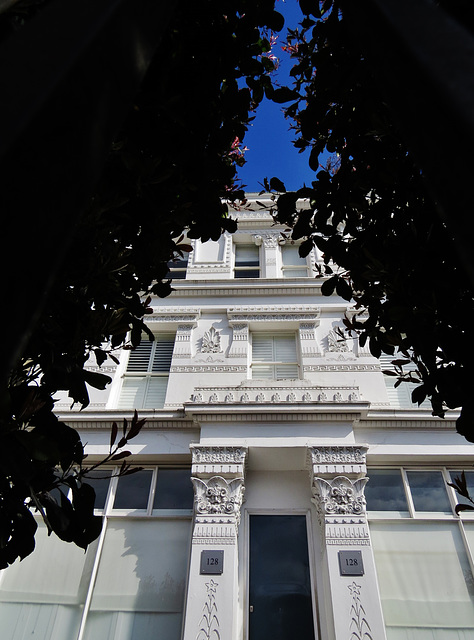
280, 600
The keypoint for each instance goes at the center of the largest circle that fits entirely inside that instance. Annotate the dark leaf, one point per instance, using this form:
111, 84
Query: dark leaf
284, 94
328, 286
277, 185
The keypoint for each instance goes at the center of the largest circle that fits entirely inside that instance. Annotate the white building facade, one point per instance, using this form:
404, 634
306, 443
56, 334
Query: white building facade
288, 490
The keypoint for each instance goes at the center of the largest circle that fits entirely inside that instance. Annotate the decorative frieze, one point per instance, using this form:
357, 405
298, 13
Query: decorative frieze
218, 455
274, 313
281, 392
175, 314
338, 460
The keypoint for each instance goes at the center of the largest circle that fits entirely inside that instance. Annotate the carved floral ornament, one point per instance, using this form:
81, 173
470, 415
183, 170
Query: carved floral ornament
217, 496
211, 341
339, 496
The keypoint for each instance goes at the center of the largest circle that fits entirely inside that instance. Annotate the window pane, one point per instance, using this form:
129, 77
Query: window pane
247, 261
384, 491
163, 353
43, 596
428, 491
99, 481
470, 485
425, 580
155, 394
173, 489
133, 491
139, 591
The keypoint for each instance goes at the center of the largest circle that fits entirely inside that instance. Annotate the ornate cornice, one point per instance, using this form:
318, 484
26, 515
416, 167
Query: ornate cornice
274, 313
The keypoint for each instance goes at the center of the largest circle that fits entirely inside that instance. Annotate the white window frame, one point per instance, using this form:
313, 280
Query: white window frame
275, 363
236, 266
290, 267
149, 374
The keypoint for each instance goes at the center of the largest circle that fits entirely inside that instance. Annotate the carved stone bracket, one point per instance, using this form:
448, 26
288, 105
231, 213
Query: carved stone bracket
338, 460
340, 496
218, 480
217, 496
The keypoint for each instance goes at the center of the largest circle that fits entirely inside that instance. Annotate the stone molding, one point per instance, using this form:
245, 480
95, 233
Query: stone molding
278, 313
275, 392
175, 314
338, 460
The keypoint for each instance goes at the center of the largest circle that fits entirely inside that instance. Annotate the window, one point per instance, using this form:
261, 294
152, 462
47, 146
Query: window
247, 261
422, 554
146, 379
293, 266
130, 584
399, 396
274, 356
177, 268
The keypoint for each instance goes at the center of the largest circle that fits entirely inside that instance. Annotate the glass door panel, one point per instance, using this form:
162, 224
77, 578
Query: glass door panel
280, 585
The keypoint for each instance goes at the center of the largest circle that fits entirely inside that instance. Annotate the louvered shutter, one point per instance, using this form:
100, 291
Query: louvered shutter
274, 357
262, 351
293, 265
399, 396
152, 358
285, 352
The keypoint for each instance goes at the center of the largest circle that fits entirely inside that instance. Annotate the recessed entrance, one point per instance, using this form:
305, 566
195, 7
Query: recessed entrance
280, 602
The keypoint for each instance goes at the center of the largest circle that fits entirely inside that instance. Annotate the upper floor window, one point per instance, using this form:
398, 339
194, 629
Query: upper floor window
177, 268
146, 378
247, 261
274, 356
293, 266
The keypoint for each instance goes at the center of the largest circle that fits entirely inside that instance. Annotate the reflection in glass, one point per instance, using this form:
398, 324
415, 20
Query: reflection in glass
42, 597
470, 485
385, 491
133, 491
280, 586
139, 591
99, 481
428, 491
173, 489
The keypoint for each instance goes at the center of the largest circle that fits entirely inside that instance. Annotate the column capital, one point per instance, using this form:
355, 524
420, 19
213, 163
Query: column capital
331, 461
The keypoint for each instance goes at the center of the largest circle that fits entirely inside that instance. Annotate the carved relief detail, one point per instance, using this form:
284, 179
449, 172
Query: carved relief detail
338, 455
211, 341
209, 623
215, 455
218, 496
339, 496
269, 240
336, 343
359, 627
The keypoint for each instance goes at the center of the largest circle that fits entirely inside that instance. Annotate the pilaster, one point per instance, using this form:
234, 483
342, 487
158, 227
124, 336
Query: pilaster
218, 479
338, 477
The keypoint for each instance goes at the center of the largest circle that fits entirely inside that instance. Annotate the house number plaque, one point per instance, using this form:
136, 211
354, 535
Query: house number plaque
350, 563
212, 562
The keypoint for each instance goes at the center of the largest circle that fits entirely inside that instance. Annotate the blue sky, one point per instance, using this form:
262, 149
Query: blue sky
271, 152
